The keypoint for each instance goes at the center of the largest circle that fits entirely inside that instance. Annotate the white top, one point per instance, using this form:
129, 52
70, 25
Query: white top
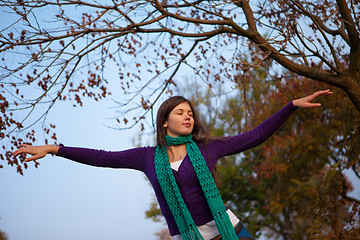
176, 165
208, 230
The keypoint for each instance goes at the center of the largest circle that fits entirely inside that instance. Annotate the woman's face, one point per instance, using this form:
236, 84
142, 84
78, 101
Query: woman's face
180, 121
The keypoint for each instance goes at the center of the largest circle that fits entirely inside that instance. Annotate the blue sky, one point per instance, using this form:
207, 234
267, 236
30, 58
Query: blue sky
66, 200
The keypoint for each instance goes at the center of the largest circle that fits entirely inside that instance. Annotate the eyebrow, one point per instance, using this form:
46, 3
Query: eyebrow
180, 109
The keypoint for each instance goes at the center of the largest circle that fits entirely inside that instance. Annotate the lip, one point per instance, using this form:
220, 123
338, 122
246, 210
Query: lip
187, 124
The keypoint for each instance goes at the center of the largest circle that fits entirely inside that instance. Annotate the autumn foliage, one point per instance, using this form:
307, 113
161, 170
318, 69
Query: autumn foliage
294, 185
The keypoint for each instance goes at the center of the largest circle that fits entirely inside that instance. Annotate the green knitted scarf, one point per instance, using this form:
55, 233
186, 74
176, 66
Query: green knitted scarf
183, 219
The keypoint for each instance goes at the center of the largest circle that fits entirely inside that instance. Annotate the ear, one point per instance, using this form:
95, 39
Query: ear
165, 125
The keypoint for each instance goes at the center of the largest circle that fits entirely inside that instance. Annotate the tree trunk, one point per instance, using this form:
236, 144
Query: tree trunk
350, 85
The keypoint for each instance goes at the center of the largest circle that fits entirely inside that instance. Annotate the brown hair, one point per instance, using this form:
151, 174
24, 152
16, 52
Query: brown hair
199, 132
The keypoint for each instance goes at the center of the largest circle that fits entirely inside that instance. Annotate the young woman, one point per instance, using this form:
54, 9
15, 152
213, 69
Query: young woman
179, 167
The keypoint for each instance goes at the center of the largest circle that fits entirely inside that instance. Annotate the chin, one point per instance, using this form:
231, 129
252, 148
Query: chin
186, 133
183, 133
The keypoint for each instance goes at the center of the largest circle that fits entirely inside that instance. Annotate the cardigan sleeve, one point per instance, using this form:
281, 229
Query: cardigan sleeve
132, 158
239, 143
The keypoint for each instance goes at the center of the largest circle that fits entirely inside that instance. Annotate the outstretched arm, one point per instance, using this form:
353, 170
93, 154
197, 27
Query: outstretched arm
134, 158
261, 133
37, 152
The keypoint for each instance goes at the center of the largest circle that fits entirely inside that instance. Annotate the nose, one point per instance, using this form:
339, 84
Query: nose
187, 116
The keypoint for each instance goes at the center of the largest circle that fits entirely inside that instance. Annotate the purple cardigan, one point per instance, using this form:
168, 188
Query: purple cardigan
142, 159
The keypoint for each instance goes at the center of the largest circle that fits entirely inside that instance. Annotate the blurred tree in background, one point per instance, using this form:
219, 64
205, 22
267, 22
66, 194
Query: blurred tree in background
292, 186
3, 236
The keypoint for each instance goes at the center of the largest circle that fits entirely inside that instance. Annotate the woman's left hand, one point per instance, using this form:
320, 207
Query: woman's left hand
306, 102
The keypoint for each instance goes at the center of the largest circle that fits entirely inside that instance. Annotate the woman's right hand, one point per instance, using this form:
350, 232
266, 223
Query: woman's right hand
37, 151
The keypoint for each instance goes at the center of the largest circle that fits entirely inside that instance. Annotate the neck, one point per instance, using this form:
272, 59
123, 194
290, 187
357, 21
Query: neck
175, 147
176, 152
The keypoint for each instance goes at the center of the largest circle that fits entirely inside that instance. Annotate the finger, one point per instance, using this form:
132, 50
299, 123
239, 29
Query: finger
37, 156
20, 150
17, 152
323, 92
315, 105
25, 145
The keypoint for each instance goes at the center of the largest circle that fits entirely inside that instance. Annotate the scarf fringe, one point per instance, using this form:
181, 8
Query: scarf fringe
226, 230
191, 234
